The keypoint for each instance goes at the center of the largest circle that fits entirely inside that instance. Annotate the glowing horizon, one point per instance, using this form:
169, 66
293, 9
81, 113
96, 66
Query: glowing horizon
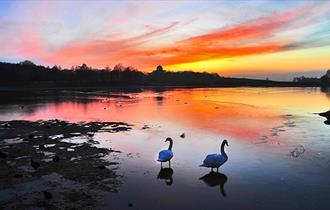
226, 37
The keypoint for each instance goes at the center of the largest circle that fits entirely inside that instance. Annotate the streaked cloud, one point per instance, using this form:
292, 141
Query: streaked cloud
145, 35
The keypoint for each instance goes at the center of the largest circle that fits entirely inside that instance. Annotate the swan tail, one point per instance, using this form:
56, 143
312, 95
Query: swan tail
202, 165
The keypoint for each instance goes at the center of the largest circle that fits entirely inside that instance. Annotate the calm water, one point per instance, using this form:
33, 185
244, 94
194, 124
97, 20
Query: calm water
263, 127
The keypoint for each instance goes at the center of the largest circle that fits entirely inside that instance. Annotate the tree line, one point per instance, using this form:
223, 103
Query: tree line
27, 73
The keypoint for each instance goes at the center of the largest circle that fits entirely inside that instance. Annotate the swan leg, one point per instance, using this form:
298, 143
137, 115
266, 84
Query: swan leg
218, 169
211, 169
169, 163
161, 164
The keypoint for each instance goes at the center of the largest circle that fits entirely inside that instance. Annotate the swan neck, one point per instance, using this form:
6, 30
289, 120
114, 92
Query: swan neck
223, 152
171, 144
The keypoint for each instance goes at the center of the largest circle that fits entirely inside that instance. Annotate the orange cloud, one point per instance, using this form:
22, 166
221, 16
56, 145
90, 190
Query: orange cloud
248, 38
226, 42
252, 29
103, 49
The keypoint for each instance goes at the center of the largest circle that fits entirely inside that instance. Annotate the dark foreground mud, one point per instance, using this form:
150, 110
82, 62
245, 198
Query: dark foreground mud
56, 165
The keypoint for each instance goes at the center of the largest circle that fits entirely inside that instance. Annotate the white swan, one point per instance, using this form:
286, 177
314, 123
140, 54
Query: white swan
167, 154
216, 160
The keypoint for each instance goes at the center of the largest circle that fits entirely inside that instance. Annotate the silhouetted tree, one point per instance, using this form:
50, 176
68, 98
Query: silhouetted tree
28, 73
303, 79
325, 80
27, 63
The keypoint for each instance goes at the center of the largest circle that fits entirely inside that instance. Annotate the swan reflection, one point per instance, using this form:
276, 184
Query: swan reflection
213, 179
166, 174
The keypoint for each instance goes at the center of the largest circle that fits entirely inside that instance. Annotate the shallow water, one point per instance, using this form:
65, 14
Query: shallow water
278, 148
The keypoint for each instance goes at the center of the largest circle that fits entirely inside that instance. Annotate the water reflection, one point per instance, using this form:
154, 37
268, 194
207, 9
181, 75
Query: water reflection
241, 113
166, 174
213, 179
280, 119
159, 94
160, 98
326, 90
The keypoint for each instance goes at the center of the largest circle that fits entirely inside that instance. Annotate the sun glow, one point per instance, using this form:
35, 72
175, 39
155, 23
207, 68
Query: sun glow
277, 37
290, 61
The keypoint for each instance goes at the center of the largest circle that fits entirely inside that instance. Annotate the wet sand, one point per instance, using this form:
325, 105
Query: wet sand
56, 164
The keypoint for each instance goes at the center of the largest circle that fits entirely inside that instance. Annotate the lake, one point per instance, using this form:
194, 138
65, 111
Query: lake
278, 147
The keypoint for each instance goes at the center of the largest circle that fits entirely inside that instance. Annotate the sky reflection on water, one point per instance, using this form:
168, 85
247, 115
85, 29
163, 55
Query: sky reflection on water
263, 126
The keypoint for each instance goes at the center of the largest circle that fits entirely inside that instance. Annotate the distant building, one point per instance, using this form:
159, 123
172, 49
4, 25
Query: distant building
159, 69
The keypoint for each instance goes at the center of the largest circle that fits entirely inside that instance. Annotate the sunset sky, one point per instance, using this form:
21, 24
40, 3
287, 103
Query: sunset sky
232, 38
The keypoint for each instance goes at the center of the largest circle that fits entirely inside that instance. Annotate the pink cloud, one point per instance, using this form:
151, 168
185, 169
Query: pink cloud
108, 49
250, 37
217, 44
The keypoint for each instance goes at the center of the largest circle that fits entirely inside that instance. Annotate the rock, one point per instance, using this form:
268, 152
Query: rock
18, 175
299, 150
86, 195
56, 158
145, 127
183, 135
325, 114
159, 98
63, 123
3, 155
102, 167
41, 147
47, 195
35, 164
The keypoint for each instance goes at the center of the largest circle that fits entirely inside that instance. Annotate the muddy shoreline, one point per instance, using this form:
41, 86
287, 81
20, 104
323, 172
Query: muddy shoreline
55, 164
